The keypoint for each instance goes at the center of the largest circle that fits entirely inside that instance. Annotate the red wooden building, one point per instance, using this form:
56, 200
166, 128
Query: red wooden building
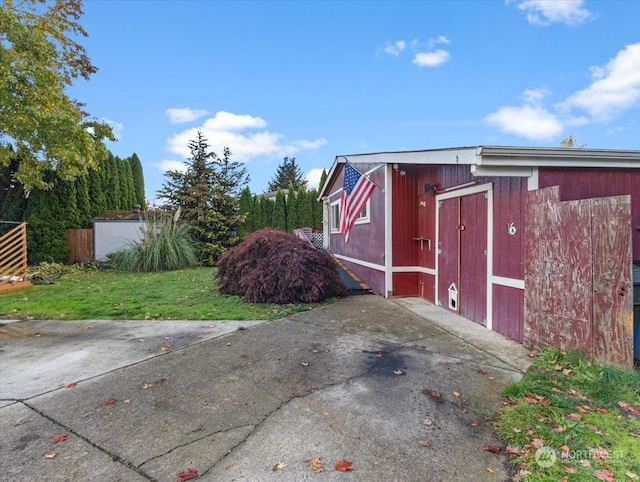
534, 243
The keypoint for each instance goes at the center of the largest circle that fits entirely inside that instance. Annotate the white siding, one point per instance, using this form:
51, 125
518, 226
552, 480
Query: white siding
110, 236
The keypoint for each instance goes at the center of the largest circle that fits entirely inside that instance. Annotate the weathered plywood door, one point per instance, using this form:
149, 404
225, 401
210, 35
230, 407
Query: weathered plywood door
462, 255
578, 275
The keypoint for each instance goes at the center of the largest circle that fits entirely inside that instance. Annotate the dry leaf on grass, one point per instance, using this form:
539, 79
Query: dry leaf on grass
605, 475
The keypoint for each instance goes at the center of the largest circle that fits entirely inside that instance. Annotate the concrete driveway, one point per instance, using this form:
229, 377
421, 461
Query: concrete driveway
401, 389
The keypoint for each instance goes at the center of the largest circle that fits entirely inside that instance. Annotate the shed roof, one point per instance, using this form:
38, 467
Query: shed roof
121, 216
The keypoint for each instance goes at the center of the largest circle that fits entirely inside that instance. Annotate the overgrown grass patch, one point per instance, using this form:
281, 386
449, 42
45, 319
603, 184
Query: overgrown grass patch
188, 294
569, 419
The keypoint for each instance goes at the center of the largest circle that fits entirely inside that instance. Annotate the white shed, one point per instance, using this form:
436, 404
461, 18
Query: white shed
116, 230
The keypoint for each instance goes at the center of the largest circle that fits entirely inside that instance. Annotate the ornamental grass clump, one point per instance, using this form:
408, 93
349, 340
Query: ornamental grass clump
166, 245
272, 266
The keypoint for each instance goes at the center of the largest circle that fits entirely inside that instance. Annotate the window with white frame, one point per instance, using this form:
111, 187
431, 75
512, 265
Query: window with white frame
335, 216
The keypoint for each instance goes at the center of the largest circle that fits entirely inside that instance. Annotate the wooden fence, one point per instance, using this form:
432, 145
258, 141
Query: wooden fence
578, 276
13, 259
80, 244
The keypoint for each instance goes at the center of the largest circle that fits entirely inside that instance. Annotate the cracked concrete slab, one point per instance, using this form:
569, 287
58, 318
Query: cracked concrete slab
352, 380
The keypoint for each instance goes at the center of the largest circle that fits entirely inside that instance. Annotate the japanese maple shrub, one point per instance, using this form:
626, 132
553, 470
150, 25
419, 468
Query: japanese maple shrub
272, 266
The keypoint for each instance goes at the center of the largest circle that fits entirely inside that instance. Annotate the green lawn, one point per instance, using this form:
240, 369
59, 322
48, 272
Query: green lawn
188, 294
569, 419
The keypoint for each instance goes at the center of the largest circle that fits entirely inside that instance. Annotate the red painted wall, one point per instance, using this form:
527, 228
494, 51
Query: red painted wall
366, 241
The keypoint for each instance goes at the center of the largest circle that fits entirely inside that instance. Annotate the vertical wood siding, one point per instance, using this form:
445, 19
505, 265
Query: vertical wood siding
508, 312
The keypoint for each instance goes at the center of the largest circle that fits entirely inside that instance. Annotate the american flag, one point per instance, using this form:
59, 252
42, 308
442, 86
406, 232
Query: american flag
356, 191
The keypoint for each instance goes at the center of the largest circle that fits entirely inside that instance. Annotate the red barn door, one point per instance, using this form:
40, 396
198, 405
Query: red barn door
462, 256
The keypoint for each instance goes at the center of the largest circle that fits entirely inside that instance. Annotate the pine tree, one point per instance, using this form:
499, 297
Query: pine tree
288, 173
316, 209
46, 230
138, 180
323, 179
97, 197
279, 219
111, 182
13, 199
246, 209
208, 194
127, 190
83, 201
292, 209
266, 212
305, 214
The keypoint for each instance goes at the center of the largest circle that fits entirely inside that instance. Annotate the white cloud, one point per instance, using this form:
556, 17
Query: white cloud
431, 59
171, 165
116, 127
440, 40
546, 12
244, 135
313, 178
180, 116
615, 87
395, 48
529, 120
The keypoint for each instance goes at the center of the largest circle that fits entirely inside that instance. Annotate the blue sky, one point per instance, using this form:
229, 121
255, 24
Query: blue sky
317, 79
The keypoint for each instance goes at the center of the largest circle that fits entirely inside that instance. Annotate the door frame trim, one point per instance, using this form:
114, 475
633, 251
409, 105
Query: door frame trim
458, 193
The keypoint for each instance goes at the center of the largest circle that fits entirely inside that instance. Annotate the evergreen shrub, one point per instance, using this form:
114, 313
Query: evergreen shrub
272, 266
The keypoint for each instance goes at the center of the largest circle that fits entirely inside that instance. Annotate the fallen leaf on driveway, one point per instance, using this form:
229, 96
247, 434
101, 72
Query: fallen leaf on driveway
71, 385
431, 393
343, 466
109, 401
317, 464
50, 456
305, 364
426, 421
456, 394
480, 371
423, 443
475, 423
490, 470
20, 422
146, 386
278, 466
492, 448
188, 474
398, 372
60, 438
